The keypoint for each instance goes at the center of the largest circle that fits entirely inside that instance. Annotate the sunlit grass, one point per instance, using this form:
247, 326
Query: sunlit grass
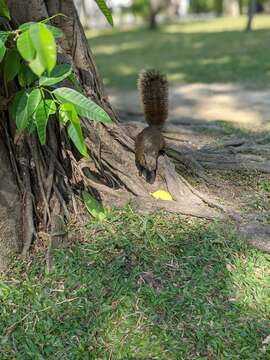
220, 25
217, 50
141, 287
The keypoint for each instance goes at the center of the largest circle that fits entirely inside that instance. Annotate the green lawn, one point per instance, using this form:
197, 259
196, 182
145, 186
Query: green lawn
209, 51
161, 287
140, 287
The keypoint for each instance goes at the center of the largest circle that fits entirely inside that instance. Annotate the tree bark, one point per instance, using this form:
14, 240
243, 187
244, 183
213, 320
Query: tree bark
10, 206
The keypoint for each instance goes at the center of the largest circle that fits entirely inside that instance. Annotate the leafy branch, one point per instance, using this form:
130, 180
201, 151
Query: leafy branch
29, 55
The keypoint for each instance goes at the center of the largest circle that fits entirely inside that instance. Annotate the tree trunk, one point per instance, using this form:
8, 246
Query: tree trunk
252, 4
173, 8
241, 5
231, 7
40, 186
154, 8
10, 206
152, 21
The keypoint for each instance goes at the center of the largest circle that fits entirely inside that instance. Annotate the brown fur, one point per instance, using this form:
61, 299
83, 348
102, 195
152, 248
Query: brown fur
153, 88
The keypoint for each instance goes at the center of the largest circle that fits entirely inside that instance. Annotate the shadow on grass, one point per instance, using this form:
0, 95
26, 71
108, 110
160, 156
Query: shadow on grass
229, 56
141, 288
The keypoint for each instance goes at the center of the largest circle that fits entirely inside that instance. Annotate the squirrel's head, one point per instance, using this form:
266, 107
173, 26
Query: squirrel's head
148, 166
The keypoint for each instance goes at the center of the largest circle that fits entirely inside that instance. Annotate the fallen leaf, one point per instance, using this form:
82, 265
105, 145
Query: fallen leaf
162, 195
266, 341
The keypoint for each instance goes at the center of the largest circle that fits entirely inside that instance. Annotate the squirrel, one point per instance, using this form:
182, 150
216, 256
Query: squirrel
149, 143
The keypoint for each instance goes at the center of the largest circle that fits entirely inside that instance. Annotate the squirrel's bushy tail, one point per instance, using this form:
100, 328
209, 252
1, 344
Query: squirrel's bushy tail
153, 89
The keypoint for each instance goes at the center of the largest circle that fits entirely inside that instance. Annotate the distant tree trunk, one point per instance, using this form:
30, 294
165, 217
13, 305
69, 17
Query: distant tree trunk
251, 12
154, 9
85, 14
152, 21
240, 6
231, 7
218, 7
173, 6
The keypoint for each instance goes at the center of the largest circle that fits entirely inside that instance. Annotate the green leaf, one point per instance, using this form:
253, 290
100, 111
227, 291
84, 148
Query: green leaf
59, 73
31, 126
36, 66
43, 111
2, 50
83, 105
25, 26
75, 82
11, 64
94, 207
44, 44
25, 107
4, 11
65, 113
22, 79
4, 35
57, 33
21, 110
105, 10
26, 77
75, 133
14, 104
25, 46
34, 101
74, 128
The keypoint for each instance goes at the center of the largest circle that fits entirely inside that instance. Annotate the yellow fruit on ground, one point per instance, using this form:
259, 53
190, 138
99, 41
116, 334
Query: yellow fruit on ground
162, 195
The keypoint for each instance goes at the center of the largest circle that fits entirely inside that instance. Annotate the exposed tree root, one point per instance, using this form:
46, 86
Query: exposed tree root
58, 233
231, 154
237, 158
117, 159
257, 235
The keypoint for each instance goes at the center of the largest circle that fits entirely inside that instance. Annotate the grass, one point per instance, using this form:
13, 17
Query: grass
206, 51
141, 287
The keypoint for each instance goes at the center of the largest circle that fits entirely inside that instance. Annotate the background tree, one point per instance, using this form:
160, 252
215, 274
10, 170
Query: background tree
173, 6
252, 5
83, 11
154, 8
231, 7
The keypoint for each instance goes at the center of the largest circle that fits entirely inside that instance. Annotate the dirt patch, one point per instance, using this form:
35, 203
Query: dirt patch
233, 103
